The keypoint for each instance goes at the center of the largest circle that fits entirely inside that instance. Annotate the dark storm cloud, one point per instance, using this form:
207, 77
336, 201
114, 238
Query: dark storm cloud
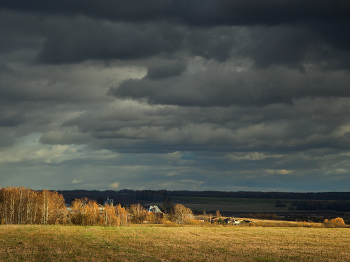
44, 86
280, 45
58, 40
196, 12
72, 40
82, 39
11, 120
5, 69
253, 91
293, 46
220, 87
20, 32
76, 41
277, 32
165, 69
66, 40
310, 124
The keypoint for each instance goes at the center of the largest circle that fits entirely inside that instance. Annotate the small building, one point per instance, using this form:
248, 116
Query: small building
226, 221
236, 222
156, 211
108, 201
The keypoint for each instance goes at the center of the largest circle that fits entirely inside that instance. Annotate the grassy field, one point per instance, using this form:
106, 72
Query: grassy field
157, 243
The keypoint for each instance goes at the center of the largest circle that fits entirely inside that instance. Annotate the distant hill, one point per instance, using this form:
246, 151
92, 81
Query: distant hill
128, 196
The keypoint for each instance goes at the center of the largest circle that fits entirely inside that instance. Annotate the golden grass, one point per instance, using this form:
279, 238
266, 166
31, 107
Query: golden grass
161, 243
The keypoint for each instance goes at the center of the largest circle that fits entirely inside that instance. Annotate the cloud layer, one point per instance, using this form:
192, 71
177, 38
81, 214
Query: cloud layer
199, 95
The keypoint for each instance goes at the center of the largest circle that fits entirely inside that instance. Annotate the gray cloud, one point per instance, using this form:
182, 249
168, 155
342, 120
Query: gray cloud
164, 94
87, 39
11, 120
165, 69
292, 46
194, 12
129, 127
225, 87
253, 147
61, 39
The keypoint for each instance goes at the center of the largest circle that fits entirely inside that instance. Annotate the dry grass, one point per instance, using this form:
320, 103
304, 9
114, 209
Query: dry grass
160, 243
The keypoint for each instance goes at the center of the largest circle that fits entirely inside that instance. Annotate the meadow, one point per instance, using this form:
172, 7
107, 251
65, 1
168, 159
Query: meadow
183, 243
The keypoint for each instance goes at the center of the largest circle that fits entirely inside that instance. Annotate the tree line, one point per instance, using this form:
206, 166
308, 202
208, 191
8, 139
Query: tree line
87, 212
25, 206
19, 205
126, 196
320, 205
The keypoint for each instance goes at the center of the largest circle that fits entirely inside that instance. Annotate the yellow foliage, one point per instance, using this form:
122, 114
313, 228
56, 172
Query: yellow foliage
335, 222
181, 214
168, 223
150, 217
137, 213
19, 205
338, 221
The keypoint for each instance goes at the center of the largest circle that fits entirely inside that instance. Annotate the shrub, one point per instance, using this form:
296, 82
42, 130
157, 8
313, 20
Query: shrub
168, 223
195, 222
335, 222
338, 221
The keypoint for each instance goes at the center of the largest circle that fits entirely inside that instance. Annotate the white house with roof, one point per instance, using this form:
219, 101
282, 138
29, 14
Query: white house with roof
154, 209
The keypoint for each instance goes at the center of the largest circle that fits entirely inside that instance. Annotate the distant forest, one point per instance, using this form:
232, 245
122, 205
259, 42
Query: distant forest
127, 196
335, 201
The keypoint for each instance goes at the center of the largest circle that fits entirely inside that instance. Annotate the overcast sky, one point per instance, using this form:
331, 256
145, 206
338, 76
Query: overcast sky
175, 94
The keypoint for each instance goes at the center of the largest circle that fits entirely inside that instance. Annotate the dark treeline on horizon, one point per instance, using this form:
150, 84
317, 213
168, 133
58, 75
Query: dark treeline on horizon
126, 196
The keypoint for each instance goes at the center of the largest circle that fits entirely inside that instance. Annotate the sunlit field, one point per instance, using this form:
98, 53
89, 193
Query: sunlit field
161, 243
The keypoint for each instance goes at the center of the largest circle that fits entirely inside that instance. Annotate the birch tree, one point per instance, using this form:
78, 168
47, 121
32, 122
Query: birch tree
181, 214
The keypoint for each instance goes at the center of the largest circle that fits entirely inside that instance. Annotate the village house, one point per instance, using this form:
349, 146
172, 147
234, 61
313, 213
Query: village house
156, 211
108, 201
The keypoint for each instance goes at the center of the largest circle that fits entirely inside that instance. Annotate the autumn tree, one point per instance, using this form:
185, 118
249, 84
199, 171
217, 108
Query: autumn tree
151, 218
31, 209
335, 222
78, 213
122, 215
137, 213
338, 221
57, 208
88, 212
181, 214
109, 216
92, 211
25, 206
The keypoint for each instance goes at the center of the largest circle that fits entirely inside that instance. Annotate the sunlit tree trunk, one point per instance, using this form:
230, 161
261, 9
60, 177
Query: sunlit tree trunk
4, 200
19, 208
43, 208
12, 208
35, 209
